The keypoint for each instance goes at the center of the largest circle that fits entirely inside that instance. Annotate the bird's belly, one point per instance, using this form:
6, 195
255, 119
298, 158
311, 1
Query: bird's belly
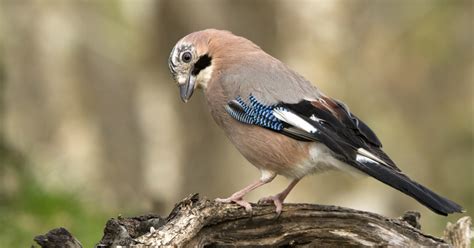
283, 155
266, 149
321, 159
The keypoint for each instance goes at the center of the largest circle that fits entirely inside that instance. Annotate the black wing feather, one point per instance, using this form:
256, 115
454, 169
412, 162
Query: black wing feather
336, 120
359, 126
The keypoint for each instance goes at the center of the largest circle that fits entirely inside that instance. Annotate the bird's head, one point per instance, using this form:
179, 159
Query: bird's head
190, 62
199, 56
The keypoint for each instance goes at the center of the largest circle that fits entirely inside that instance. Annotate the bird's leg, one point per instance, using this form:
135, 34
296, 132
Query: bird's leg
280, 197
237, 197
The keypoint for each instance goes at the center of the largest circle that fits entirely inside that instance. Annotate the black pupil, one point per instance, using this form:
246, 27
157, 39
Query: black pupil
186, 57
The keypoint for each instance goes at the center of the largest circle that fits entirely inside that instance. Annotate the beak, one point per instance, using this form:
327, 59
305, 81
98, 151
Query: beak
186, 90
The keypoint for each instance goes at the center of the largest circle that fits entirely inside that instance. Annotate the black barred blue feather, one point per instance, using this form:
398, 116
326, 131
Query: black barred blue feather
254, 112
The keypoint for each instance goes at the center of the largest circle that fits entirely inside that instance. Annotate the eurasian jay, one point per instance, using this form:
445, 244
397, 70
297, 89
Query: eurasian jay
279, 121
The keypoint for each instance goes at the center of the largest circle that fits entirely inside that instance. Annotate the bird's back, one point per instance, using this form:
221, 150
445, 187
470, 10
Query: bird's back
242, 68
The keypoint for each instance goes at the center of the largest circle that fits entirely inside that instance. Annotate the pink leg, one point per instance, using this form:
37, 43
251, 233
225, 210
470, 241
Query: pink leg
280, 197
237, 197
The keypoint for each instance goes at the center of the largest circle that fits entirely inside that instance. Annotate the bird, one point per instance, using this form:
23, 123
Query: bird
279, 121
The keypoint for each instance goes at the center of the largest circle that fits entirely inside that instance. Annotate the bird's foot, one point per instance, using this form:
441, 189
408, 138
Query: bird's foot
237, 200
277, 200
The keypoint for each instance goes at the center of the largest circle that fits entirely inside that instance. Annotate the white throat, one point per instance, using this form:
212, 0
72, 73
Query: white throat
204, 77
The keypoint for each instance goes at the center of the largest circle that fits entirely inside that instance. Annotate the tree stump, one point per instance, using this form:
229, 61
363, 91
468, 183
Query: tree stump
196, 222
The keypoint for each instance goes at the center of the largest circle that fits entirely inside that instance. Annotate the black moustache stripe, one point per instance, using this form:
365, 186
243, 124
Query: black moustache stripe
203, 62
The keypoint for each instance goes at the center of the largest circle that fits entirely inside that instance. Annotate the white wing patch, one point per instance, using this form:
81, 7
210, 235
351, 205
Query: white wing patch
314, 118
366, 156
364, 159
293, 119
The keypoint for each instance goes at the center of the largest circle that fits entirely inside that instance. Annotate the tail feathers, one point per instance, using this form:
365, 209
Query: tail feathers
430, 199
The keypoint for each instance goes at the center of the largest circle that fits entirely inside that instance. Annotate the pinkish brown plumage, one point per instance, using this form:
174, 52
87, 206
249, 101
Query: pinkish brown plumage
279, 121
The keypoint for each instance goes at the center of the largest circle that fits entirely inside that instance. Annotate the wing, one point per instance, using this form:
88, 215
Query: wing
330, 122
325, 120
336, 121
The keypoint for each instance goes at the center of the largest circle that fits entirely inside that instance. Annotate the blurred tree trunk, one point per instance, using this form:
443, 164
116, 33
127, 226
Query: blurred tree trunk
56, 102
109, 92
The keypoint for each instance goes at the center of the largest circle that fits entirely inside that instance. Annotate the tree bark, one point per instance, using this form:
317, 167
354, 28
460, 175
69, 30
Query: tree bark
196, 222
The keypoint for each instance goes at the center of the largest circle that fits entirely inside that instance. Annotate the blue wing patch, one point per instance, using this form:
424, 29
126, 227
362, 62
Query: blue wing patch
254, 113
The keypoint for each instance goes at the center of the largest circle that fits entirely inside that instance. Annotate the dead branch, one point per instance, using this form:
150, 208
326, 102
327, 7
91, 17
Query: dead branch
196, 222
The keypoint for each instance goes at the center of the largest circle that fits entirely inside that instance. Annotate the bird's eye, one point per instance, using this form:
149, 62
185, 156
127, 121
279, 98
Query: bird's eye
186, 57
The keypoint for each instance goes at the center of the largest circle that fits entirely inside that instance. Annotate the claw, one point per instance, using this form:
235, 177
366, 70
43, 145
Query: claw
280, 197
276, 200
237, 200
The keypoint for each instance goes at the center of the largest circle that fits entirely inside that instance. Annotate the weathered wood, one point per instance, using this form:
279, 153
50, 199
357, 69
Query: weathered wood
196, 222
459, 234
58, 238
199, 223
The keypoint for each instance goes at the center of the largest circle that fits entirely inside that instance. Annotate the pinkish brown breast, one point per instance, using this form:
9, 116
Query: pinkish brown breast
264, 148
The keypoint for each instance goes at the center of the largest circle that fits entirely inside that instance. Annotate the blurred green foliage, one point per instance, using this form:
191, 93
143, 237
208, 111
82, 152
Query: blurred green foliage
30, 210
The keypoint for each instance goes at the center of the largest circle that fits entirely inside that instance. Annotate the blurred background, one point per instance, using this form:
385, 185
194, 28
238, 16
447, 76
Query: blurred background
91, 124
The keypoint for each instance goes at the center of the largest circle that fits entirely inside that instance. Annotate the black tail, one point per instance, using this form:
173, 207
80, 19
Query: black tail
430, 199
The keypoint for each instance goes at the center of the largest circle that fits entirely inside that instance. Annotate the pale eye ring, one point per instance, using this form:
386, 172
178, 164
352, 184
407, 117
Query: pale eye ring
186, 57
